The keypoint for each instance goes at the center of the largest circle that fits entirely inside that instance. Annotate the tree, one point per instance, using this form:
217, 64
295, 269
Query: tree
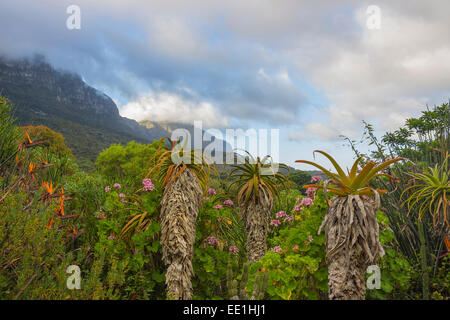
257, 190
184, 183
130, 161
351, 227
53, 139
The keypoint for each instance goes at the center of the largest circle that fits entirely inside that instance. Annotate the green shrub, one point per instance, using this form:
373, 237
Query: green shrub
128, 162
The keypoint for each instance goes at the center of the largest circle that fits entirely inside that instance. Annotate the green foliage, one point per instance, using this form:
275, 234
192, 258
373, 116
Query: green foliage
300, 178
419, 136
33, 258
237, 289
54, 140
396, 272
298, 270
9, 135
165, 169
218, 229
112, 233
430, 194
131, 269
120, 162
354, 182
255, 174
424, 143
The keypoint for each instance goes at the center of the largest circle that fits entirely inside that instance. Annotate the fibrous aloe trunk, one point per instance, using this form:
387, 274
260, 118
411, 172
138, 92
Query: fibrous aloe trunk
352, 240
255, 215
179, 210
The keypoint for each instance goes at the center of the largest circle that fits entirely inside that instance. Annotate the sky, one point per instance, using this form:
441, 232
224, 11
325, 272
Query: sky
313, 70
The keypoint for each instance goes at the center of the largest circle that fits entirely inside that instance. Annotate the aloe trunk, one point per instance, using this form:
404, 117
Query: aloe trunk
255, 215
352, 241
179, 211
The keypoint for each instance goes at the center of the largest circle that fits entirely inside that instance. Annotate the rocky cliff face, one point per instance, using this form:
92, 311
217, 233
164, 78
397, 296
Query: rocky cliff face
88, 119
37, 89
66, 88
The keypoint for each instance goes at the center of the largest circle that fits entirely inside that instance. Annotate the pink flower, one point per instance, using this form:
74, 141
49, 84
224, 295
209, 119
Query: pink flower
310, 238
280, 214
276, 249
206, 198
211, 191
122, 197
101, 216
307, 202
218, 206
107, 188
275, 223
297, 208
116, 185
310, 192
233, 249
228, 202
112, 237
289, 218
211, 240
297, 200
316, 179
219, 219
148, 185
365, 197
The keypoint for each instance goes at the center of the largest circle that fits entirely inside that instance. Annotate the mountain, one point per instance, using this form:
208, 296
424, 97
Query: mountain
88, 119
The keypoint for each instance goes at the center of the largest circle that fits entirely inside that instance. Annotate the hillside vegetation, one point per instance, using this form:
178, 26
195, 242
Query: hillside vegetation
240, 235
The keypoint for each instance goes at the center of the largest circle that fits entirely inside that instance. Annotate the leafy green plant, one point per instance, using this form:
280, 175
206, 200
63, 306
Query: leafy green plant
351, 228
257, 182
354, 182
430, 194
296, 262
237, 289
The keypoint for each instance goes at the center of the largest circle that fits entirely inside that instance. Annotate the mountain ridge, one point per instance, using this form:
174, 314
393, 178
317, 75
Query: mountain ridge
88, 119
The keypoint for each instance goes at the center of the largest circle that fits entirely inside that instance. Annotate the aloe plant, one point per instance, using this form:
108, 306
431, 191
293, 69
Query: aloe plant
257, 192
351, 227
430, 193
183, 185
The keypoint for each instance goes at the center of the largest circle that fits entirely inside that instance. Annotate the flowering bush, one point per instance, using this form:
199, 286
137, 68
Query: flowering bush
296, 258
148, 185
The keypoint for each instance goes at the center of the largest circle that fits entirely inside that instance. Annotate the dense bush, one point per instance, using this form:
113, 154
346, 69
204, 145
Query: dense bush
128, 162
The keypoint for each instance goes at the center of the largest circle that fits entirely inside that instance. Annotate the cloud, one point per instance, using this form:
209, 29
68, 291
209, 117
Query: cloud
383, 76
294, 62
130, 48
313, 130
166, 107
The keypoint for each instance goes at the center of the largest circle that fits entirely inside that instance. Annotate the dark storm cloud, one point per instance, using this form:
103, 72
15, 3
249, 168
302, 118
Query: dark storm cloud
127, 52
